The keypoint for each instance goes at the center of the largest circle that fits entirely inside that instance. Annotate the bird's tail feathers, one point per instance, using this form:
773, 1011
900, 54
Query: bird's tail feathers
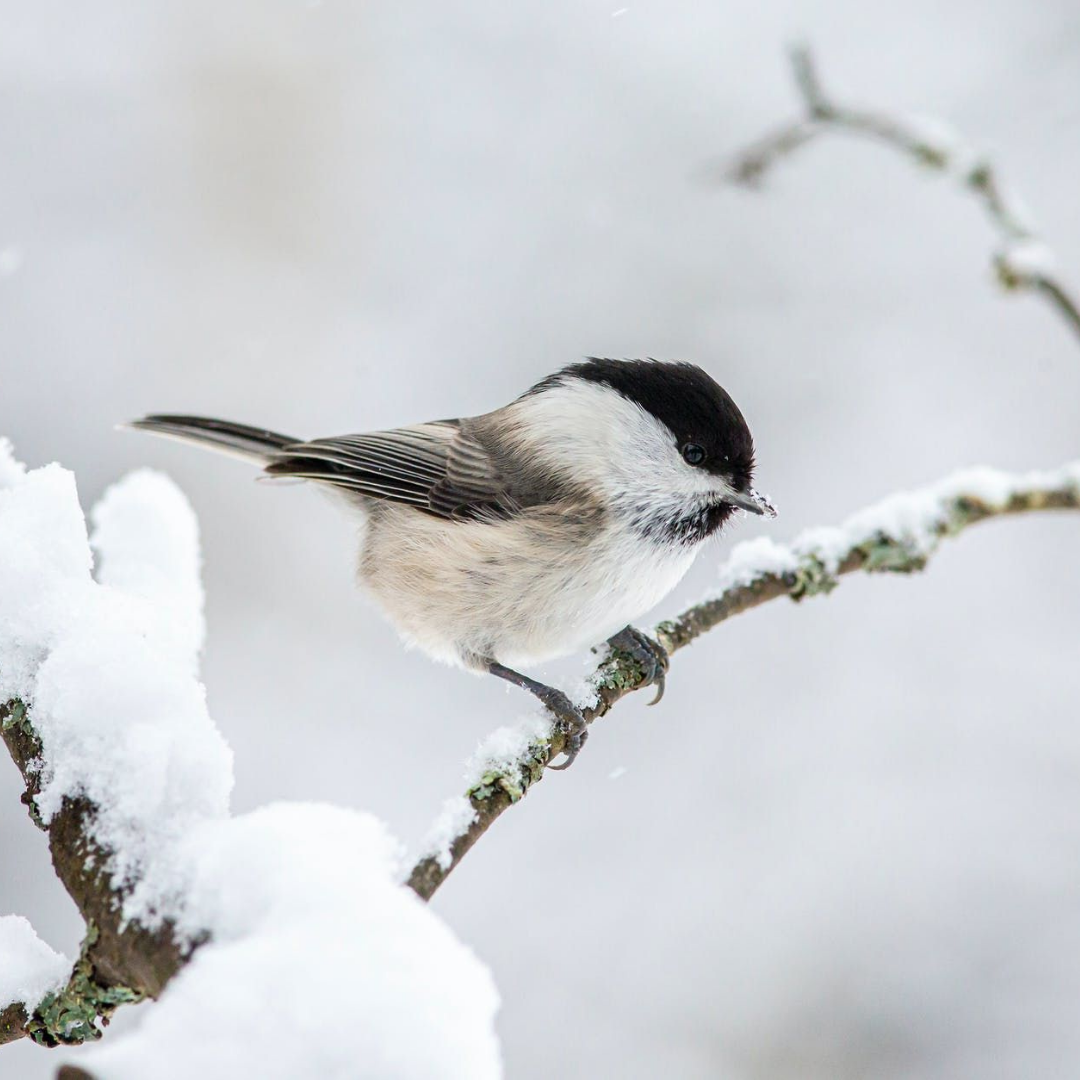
250, 443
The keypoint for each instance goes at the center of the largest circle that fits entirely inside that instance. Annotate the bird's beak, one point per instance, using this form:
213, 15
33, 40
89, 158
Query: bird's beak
752, 501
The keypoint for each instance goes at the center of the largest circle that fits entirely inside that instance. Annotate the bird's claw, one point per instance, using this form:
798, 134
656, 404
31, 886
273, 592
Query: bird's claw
575, 740
571, 722
647, 653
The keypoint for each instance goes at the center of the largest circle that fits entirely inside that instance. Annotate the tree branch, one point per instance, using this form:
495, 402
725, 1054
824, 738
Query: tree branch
118, 963
124, 962
1021, 262
897, 535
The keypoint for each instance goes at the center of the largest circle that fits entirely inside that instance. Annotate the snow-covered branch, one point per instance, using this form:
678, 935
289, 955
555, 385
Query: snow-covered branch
120, 962
897, 535
1021, 261
277, 931
102, 714
239, 918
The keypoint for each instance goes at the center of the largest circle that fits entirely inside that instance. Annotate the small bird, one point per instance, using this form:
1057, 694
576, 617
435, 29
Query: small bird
500, 541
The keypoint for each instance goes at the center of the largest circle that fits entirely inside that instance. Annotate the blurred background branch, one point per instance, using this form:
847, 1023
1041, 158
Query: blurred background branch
1022, 260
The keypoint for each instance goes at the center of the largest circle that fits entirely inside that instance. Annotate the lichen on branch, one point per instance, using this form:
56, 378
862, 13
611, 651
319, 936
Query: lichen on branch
897, 535
118, 963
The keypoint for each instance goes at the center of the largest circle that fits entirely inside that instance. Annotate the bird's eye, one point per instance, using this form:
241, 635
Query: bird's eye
693, 454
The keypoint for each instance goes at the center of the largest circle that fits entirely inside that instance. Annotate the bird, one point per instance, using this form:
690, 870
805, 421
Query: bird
501, 541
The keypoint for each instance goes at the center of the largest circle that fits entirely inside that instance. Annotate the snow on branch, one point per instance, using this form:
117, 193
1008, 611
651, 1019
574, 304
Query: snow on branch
29, 970
292, 912
896, 535
268, 934
104, 718
1022, 261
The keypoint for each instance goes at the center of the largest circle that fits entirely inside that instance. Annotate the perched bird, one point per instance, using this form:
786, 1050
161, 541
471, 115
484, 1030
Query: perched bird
500, 541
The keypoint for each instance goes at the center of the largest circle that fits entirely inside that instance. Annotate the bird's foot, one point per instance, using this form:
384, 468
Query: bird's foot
571, 723
570, 720
649, 655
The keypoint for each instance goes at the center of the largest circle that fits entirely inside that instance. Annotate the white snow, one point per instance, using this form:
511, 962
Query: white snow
319, 962
29, 969
1020, 216
911, 517
11, 471
321, 965
750, 559
501, 753
935, 133
456, 815
146, 540
506, 747
109, 668
1028, 258
960, 156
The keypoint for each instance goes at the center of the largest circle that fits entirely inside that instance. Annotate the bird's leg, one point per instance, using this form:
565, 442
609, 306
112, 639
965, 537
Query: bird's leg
565, 711
648, 654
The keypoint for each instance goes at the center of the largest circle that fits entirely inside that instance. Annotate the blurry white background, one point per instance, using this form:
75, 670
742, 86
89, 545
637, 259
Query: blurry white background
846, 844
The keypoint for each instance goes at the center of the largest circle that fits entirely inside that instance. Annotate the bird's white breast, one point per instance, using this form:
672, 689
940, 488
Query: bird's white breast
520, 591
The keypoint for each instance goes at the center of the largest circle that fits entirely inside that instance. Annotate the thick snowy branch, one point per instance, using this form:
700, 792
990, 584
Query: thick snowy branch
897, 535
119, 963
250, 919
93, 658
1022, 261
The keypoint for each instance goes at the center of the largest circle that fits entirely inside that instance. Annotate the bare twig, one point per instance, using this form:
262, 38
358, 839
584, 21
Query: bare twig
1022, 261
809, 566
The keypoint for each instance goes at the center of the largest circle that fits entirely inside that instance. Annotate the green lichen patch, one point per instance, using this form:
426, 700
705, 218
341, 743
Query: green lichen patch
619, 671
812, 578
885, 554
963, 511
15, 716
25, 746
669, 634
1007, 275
932, 157
72, 1014
530, 768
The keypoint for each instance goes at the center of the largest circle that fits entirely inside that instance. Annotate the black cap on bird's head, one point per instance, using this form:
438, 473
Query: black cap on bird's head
708, 427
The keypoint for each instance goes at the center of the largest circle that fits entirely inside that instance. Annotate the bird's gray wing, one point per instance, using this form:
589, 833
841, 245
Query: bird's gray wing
441, 468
